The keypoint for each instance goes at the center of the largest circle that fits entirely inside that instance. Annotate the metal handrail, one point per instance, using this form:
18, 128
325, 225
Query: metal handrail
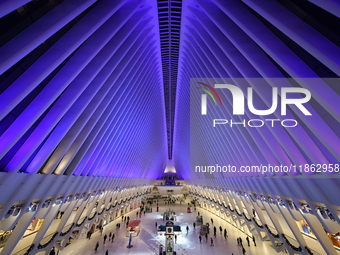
66, 227
81, 222
291, 239
22, 251
272, 228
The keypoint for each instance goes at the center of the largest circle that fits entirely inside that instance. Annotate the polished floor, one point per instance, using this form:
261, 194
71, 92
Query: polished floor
147, 242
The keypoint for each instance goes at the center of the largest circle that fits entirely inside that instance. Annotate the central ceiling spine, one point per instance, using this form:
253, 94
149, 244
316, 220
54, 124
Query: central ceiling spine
169, 16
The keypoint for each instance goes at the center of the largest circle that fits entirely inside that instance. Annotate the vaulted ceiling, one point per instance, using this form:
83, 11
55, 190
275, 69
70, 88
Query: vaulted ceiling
102, 88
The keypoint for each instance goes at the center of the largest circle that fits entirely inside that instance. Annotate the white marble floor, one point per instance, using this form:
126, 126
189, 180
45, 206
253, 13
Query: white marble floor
148, 241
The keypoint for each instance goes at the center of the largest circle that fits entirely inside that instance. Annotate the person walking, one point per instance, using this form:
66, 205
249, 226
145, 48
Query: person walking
200, 238
243, 250
211, 241
113, 237
214, 231
248, 240
156, 225
110, 236
254, 240
220, 230
107, 252
52, 252
194, 224
206, 237
187, 229
212, 221
240, 241
96, 247
175, 238
105, 237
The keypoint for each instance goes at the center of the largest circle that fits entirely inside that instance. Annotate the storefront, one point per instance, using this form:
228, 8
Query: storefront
34, 226
335, 239
305, 228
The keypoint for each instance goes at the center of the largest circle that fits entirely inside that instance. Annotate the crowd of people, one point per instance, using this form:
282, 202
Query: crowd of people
109, 237
223, 232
